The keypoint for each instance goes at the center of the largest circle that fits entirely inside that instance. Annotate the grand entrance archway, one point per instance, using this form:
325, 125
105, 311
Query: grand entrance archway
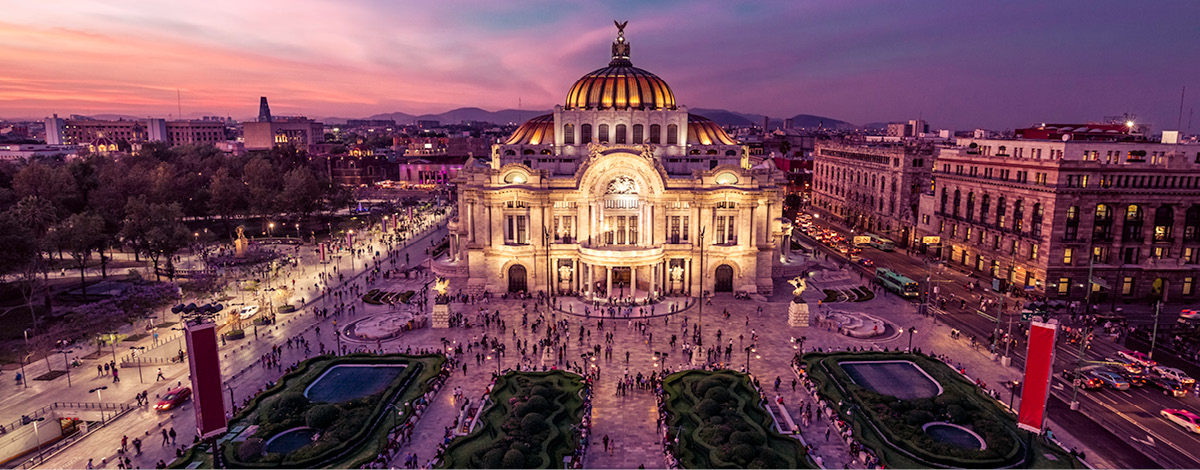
724, 280
516, 278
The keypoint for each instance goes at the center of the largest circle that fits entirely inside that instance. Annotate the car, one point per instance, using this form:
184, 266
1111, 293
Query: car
866, 262
174, 398
1185, 418
843, 249
1136, 380
1169, 387
1111, 380
1175, 374
1084, 381
1190, 314
248, 311
1128, 365
1138, 357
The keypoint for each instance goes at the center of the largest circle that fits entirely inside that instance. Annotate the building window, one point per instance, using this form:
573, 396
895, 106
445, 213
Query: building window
1068, 253
983, 208
1100, 254
971, 206
1102, 230
673, 236
603, 133
1033, 252
515, 230
1127, 286
945, 199
957, 200
655, 133
1035, 223
1161, 252
1164, 222
638, 130
1131, 255
1072, 226
1000, 209
620, 134
585, 133
1064, 286
925, 219
1189, 285
672, 134
1018, 215
568, 134
1189, 255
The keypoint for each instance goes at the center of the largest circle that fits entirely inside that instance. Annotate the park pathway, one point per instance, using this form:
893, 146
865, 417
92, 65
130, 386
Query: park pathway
630, 420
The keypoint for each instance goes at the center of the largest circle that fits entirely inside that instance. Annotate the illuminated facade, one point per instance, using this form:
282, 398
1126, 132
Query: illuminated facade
615, 194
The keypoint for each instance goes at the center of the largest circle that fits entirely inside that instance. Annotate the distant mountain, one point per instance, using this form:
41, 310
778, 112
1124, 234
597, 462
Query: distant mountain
459, 115
875, 125
812, 122
734, 118
723, 117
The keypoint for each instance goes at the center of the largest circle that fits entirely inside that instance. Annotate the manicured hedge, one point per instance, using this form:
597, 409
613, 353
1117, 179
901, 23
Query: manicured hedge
893, 427
721, 423
379, 297
528, 425
360, 428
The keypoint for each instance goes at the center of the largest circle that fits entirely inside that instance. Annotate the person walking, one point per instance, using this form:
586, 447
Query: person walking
124, 443
116, 376
172, 434
160, 375
137, 446
606, 442
166, 438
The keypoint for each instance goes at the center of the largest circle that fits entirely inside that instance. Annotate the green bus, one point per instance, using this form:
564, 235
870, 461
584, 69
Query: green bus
895, 282
881, 244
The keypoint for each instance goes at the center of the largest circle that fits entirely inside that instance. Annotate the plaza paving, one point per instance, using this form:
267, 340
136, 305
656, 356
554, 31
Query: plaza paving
628, 419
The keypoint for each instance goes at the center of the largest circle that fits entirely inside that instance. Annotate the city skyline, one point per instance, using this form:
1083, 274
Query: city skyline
956, 66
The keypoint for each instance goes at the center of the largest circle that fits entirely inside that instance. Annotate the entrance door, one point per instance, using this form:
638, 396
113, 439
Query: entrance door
1159, 289
724, 279
620, 276
516, 278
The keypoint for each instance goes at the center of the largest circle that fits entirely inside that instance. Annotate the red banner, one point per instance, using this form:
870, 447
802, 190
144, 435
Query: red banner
204, 360
1039, 369
323, 248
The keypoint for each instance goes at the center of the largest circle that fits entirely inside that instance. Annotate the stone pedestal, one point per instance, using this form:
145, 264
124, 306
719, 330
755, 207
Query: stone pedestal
798, 314
440, 316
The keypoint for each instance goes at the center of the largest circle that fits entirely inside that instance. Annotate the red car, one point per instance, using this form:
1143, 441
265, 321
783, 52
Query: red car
174, 398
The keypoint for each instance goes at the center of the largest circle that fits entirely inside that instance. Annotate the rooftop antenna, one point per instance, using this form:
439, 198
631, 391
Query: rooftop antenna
1179, 120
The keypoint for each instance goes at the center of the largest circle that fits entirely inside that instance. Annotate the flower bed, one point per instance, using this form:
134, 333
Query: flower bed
380, 297
720, 423
352, 432
528, 426
893, 428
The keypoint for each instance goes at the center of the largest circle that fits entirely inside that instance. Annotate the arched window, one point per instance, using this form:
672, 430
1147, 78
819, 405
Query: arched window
1102, 223
945, 199
638, 133
1164, 223
602, 133
545, 152
672, 134
957, 202
1019, 215
620, 134
730, 153
1191, 224
1000, 208
585, 133
1035, 222
655, 134
984, 202
970, 206
527, 152
1133, 224
568, 134
510, 152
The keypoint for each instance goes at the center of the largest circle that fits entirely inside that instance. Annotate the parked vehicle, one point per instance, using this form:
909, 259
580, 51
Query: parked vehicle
174, 398
1187, 419
1111, 380
248, 311
1083, 379
1138, 357
1169, 387
1175, 374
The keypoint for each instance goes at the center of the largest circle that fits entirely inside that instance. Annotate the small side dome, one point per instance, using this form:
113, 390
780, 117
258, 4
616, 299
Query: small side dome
536, 131
726, 178
703, 131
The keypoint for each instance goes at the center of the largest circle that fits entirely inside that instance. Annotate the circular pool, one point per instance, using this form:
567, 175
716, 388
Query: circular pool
954, 434
290, 440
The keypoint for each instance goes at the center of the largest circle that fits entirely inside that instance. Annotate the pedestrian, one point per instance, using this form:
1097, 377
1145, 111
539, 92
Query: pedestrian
606, 442
124, 443
116, 378
166, 438
90, 465
826, 434
137, 446
160, 375
172, 434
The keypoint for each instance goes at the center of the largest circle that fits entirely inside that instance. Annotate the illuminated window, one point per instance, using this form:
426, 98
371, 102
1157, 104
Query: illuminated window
1064, 286
1189, 285
1068, 253
1127, 286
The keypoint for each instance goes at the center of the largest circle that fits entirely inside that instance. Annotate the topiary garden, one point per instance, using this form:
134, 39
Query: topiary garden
347, 433
380, 297
720, 423
529, 424
894, 427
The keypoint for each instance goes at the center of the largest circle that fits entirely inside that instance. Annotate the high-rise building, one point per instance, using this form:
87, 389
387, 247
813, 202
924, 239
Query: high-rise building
615, 194
84, 131
1039, 214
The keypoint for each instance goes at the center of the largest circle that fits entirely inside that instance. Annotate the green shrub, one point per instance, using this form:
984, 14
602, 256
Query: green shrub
287, 406
533, 423
494, 458
250, 450
513, 459
321, 416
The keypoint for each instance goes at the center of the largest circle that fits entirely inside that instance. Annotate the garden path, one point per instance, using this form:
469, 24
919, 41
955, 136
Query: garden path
630, 420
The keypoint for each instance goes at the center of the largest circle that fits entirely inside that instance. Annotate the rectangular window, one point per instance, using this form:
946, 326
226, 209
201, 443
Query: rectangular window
633, 230
720, 238
1161, 252
522, 237
1127, 286
620, 230
1064, 286
1033, 252
1131, 255
685, 228
1067, 255
674, 236
1189, 255
1189, 285
925, 219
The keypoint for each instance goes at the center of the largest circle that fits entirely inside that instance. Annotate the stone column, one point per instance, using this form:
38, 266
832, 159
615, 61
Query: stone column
632, 280
608, 291
653, 273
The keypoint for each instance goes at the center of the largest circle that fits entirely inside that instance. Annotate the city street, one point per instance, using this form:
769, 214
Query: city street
1130, 418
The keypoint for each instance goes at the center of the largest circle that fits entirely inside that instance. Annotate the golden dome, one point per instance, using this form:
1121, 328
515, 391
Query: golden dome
703, 131
536, 131
620, 85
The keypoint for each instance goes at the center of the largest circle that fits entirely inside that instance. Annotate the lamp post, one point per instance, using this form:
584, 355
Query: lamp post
749, 349
297, 231
38, 436
1012, 391
271, 229
99, 399
1154, 333
67, 365
232, 403
911, 331
139, 360
700, 313
497, 353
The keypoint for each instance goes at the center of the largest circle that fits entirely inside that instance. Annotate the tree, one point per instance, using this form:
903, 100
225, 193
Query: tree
301, 195
51, 183
263, 183
38, 215
155, 230
80, 235
227, 195
785, 146
19, 253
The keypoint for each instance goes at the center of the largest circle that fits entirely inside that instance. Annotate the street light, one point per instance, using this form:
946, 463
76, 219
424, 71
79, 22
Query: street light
67, 365
749, 349
700, 313
1012, 391
37, 436
911, 331
139, 361
98, 398
271, 229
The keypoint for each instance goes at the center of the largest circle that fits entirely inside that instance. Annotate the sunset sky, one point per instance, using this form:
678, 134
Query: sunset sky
958, 64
